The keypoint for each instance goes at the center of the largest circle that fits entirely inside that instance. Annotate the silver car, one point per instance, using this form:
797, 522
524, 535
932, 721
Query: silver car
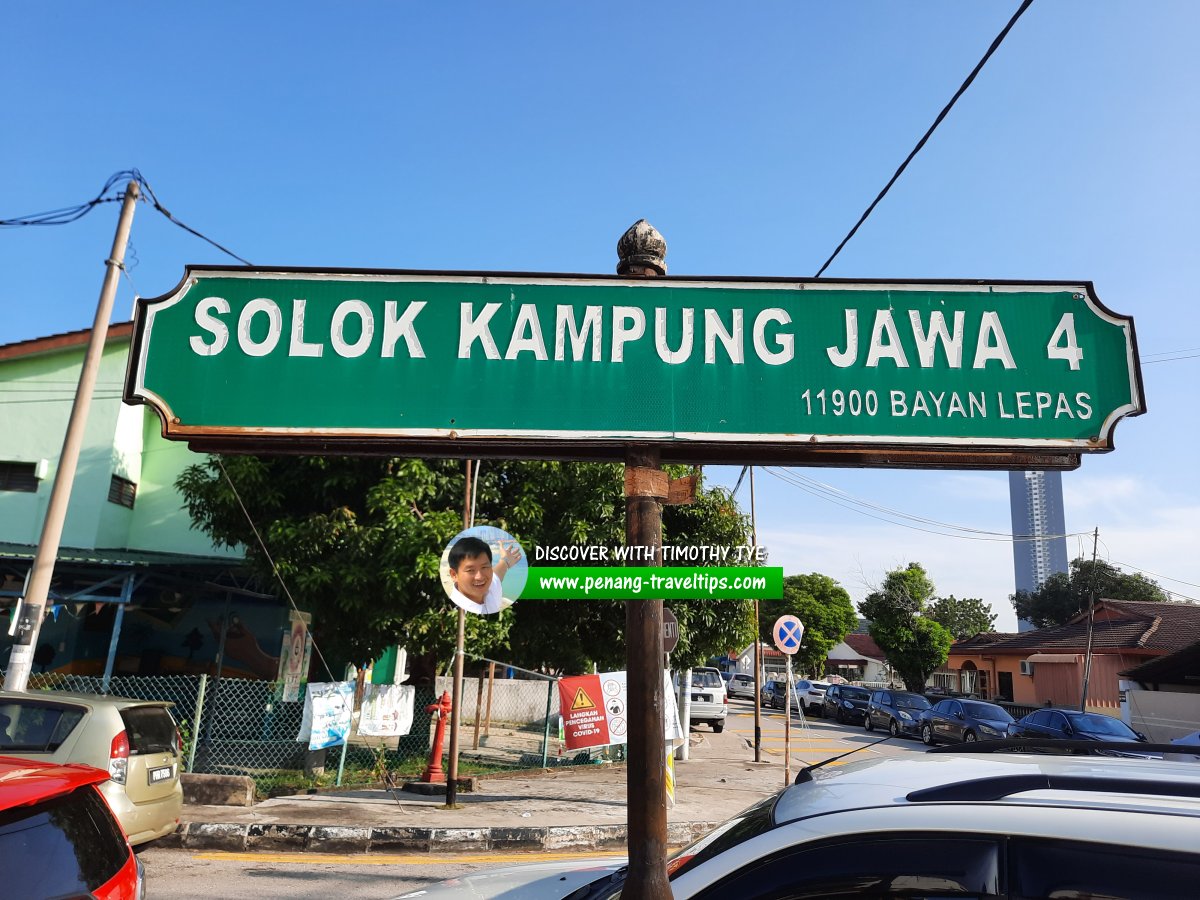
924, 825
135, 741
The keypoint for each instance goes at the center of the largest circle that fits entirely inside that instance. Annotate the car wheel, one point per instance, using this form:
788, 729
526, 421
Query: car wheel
927, 735
718, 726
868, 724
840, 716
969, 737
893, 728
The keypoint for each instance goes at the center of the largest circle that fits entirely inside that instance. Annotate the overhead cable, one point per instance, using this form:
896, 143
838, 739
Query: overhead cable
921, 143
110, 194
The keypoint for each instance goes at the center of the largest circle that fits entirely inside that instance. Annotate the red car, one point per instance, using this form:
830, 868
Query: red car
58, 837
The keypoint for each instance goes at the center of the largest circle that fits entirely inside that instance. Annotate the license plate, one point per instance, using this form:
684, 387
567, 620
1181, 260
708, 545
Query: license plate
700, 698
166, 773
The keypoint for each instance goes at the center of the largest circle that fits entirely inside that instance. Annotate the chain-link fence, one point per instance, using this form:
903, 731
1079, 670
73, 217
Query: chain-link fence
509, 721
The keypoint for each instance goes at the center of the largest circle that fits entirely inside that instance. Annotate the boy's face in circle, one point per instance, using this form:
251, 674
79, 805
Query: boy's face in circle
473, 577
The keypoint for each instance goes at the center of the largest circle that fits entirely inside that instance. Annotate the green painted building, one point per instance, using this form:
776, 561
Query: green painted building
136, 588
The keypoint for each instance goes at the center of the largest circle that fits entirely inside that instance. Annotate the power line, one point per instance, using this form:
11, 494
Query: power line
921, 143
110, 194
854, 504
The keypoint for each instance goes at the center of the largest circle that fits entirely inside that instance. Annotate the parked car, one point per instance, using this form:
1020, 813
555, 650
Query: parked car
812, 695
740, 685
847, 703
954, 721
58, 837
895, 711
1069, 724
924, 825
775, 694
709, 702
135, 741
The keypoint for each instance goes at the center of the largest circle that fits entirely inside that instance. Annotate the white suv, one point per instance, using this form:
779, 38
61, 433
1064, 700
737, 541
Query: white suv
709, 701
1001, 825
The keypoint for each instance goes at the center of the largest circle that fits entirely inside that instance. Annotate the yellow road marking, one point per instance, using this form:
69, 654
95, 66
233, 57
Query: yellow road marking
395, 859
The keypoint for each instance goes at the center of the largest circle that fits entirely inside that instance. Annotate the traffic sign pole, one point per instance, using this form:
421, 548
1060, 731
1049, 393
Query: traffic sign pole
787, 727
788, 632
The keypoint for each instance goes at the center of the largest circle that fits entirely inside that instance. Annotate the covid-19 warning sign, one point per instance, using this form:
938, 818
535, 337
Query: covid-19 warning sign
595, 710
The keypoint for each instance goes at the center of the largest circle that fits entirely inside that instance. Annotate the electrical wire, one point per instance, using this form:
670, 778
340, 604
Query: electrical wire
108, 194
267, 553
921, 143
857, 504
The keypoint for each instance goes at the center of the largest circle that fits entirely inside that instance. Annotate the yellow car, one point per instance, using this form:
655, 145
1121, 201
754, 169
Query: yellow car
135, 741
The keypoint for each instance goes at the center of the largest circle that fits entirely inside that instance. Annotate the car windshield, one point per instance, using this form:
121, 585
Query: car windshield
990, 711
911, 701
1097, 724
706, 679
853, 693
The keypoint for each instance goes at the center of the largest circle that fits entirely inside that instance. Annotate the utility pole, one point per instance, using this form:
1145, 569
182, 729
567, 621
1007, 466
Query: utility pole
33, 606
642, 252
1087, 659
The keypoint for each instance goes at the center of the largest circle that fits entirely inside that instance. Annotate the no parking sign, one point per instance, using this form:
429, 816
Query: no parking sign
788, 632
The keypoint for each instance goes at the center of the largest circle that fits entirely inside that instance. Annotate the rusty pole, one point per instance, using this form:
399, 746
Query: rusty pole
642, 252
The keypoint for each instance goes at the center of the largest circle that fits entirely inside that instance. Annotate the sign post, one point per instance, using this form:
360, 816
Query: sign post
788, 632
891, 374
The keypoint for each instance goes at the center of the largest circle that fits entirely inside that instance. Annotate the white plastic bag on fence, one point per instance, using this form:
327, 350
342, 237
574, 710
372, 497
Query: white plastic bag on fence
387, 710
328, 707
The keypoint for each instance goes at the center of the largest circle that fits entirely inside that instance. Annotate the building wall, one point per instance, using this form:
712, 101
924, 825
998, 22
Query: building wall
36, 393
1023, 685
1163, 715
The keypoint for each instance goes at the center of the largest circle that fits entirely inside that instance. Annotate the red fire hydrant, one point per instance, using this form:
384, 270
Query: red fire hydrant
433, 772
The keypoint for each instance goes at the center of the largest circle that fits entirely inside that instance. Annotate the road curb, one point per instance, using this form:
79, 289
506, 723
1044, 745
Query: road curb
240, 837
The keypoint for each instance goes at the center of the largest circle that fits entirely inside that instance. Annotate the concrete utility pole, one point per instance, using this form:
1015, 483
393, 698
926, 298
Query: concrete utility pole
642, 252
33, 606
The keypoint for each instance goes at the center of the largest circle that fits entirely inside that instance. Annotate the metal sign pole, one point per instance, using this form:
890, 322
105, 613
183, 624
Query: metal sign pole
456, 701
787, 726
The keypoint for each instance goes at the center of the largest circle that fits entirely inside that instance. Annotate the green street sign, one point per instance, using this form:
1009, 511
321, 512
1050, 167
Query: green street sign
996, 374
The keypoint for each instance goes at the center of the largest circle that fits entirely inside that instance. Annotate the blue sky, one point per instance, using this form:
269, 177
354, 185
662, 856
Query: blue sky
528, 136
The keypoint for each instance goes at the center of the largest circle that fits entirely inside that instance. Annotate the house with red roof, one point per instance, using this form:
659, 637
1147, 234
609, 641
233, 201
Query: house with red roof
1047, 665
858, 658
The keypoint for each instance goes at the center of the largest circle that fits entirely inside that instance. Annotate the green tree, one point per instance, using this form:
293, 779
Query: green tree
962, 618
1066, 594
825, 609
358, 543
915, 645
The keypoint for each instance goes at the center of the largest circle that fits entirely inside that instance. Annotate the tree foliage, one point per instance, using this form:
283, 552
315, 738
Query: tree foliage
358, 542
825, 609
1066, 594
915, 644
962, 618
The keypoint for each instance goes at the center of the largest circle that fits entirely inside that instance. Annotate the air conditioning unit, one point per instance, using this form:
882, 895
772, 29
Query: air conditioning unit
1026, 667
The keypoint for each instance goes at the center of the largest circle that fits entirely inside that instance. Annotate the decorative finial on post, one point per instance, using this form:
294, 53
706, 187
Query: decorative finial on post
642, 251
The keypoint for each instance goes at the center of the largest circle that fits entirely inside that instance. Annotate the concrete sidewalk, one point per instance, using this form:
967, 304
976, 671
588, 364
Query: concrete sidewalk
572, 808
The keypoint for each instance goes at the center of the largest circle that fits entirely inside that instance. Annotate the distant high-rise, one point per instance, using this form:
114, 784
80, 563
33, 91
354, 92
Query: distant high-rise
1037, 512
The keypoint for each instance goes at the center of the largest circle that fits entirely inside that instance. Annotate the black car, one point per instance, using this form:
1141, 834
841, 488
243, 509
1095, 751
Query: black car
897, 711
958, 721
1071, 725
847, 703
774, 693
